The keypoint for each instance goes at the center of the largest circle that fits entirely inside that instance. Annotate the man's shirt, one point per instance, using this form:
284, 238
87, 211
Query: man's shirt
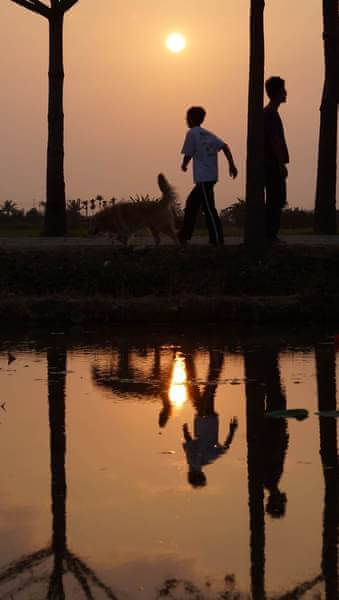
274, 137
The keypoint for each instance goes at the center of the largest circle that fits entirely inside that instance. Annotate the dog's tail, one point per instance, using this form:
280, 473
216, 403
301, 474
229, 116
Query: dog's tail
169, 195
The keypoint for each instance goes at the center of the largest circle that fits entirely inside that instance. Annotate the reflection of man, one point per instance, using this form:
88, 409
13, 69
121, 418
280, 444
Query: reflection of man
275, 436
204, 448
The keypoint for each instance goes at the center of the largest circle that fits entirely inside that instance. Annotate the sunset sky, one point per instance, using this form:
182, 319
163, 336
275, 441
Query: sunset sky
126, 94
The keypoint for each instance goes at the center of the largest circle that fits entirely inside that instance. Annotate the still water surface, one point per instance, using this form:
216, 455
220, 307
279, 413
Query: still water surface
144, 466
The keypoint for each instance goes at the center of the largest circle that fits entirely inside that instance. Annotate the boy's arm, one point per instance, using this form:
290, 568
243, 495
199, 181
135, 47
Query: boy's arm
232, 168
233, 427
185, 162
186, 433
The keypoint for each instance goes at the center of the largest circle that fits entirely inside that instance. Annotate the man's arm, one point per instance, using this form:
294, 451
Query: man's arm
185, 162
232, 168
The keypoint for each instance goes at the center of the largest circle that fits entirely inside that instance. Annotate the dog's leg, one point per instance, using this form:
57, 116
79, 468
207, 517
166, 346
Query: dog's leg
155, 234
170, 231
123, 239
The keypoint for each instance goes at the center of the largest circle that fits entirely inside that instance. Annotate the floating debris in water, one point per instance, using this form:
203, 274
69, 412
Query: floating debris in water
292, 413
328, 413
10, 357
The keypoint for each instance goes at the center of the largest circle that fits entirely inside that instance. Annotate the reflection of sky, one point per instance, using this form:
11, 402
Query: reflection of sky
128, 497
177, 389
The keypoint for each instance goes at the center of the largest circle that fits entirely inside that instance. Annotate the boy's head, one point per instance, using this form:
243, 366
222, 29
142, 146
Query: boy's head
275, 89
195, 116
196, 478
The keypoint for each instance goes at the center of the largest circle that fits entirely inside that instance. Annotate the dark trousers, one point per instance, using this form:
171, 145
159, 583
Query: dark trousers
275, 197
202, 195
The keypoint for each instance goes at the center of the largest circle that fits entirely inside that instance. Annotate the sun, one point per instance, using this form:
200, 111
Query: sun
176, 42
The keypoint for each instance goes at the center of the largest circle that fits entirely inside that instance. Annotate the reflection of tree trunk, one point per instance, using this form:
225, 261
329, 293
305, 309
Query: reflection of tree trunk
56, 399
255, 407
255, 208
326, 365
124, 370
156, 367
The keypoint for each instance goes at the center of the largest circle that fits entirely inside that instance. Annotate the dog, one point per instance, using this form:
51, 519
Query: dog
126, 218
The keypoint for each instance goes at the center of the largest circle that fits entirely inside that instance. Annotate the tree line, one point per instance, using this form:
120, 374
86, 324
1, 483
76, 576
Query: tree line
78, 213
55, 223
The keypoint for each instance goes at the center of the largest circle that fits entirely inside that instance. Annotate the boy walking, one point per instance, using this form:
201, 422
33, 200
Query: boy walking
202, 147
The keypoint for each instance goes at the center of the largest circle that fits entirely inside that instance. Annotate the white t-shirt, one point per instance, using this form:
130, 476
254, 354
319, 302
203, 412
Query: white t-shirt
204, 448
203, 146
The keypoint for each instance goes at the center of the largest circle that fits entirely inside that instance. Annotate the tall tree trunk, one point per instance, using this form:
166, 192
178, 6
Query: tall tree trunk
255, 205
55, 216
325, 202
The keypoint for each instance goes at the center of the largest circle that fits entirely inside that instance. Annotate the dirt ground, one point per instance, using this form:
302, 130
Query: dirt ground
310, 240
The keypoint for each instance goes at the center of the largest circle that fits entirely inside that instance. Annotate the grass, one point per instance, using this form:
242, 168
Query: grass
27, 230
199, 283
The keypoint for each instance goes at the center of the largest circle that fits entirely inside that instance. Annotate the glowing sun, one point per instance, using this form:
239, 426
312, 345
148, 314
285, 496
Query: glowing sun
175, 42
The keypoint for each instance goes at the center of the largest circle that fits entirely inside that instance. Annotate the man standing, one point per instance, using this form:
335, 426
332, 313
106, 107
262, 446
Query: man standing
276, 157
203, 146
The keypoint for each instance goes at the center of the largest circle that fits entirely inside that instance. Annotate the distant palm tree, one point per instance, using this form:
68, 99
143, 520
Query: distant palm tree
55, 214
9, 208
84, 205
325, 202
99, 199
42, 205
255, 204
74, 206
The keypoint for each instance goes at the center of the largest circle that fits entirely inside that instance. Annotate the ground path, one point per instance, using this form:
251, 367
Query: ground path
310, 240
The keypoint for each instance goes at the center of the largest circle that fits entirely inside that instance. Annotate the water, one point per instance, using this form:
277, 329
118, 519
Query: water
138, 465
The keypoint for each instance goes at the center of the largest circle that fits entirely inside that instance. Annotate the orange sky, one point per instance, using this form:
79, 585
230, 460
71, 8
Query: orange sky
126, 95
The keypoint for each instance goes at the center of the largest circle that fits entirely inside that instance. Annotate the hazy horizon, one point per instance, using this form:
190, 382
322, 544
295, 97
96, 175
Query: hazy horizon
126, 95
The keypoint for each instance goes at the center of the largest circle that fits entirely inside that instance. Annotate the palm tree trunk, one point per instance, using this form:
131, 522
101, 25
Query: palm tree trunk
255, 205
325, 202
55, 216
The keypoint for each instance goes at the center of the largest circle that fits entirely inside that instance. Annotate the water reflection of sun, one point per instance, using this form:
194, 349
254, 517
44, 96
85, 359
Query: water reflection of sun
177, 391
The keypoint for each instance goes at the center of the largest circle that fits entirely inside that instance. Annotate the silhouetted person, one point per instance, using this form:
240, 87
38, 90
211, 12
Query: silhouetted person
203, 146
276, 157
267, 441
204, 448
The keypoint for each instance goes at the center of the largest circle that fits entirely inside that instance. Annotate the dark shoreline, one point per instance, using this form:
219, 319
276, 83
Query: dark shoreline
200, 284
